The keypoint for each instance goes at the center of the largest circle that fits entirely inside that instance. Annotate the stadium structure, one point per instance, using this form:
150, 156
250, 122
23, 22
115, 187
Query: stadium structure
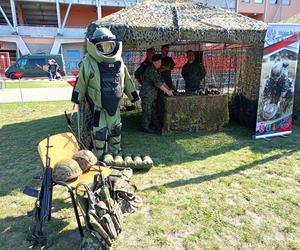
50, 26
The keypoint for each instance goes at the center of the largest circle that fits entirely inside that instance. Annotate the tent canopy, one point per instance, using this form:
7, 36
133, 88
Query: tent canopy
293, 19
156, 22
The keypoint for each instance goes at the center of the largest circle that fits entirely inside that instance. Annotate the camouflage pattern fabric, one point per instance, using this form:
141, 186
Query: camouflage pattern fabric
124, 191
168, 21
66, 170
91, 241
103, 206
192, 113
149, 92
293, 19
85, 123
101, 213
85, 159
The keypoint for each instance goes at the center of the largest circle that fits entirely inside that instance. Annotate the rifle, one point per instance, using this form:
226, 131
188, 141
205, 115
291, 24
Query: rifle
42, 208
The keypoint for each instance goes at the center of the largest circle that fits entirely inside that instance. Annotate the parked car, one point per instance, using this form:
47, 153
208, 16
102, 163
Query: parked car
35, 65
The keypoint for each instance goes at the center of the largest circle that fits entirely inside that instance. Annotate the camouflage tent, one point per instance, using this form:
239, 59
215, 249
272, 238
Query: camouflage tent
293, 19
156, 22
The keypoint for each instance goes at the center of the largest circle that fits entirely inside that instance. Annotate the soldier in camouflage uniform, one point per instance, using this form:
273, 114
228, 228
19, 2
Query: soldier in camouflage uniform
149, 91
141, 69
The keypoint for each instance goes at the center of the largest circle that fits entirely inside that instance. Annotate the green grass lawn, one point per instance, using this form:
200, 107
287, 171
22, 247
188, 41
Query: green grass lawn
219, 190
37, 84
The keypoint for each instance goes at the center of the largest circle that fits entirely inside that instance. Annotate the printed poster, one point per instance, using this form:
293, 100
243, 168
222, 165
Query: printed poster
278, 75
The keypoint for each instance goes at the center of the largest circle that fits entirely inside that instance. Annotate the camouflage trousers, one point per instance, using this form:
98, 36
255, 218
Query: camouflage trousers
149, 111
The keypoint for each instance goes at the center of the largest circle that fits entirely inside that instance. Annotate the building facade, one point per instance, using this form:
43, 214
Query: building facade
269, 11
51, 26
225, 4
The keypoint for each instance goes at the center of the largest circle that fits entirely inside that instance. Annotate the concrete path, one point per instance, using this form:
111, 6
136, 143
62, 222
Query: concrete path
35, 94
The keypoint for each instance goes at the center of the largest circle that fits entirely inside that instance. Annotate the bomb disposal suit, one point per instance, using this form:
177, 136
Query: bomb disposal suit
103, 77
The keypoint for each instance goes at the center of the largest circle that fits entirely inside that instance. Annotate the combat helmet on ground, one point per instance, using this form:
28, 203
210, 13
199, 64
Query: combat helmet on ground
85, 159
66, 170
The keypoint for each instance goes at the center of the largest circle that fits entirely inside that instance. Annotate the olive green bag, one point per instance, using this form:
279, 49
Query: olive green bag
103, 205
123, 191
103, 216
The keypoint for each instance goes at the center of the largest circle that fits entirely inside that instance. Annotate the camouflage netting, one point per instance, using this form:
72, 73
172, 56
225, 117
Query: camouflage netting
85, 119
156, 22
193, 113
248, 81
293, 19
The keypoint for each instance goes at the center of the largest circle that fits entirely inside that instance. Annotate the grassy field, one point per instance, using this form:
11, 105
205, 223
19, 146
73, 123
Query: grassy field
219, 190
36, 84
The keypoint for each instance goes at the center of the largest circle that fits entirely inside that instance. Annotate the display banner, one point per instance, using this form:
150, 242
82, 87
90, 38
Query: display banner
277, 85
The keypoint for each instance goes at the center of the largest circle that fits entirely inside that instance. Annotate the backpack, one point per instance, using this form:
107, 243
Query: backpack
103, 205
92, 241
103, 216
124, 191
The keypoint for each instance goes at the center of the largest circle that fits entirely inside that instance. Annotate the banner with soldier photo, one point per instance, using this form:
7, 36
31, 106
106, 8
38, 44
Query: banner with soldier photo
276, 94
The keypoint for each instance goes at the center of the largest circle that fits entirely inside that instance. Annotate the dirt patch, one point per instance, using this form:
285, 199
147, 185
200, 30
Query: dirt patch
256, 219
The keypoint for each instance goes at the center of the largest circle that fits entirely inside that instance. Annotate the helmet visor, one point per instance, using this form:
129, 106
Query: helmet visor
105, 47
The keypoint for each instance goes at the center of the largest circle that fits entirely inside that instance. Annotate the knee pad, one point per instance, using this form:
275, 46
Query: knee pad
101, 134
100, 145
116, 131
135, 96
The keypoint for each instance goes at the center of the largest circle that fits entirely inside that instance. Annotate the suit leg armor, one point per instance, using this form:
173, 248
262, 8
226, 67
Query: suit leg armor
115, 139
100, 133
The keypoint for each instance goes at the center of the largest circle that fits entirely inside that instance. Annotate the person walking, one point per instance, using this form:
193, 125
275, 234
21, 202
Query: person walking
52, 69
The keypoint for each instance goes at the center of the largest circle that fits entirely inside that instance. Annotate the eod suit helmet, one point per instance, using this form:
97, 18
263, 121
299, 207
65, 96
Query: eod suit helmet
104, 41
